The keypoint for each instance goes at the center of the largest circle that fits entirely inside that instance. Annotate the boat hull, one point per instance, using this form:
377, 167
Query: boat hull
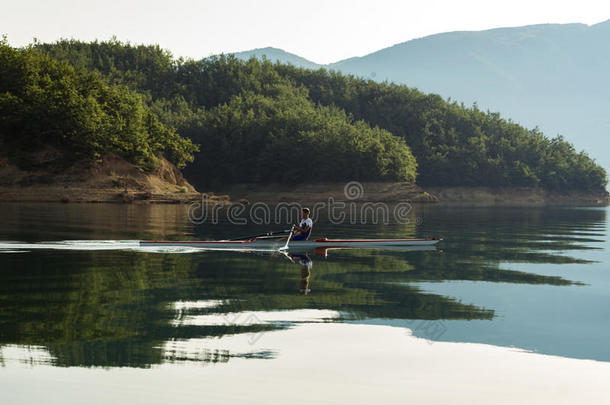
266, 244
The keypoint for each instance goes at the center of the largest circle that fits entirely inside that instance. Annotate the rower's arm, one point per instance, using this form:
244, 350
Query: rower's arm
305, 229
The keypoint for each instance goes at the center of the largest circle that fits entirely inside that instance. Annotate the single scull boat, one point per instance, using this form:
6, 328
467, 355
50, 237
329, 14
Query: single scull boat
266, 243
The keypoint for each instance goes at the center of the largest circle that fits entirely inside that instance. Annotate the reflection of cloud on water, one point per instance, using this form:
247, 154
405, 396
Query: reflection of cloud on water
29, 355
246, 318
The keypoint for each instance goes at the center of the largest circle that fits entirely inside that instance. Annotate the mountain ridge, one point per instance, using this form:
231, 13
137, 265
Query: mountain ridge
551, 76
275, 54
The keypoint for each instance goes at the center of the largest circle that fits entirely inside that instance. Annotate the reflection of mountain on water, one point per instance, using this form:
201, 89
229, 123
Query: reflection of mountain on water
119, 308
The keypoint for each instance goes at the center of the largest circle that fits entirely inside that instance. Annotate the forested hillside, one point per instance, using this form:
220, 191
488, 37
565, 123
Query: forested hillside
73, 114
549, 75
256, 121
455, 145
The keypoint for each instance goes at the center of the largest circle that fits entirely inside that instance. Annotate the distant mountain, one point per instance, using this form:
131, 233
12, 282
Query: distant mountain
275, 54
555, 76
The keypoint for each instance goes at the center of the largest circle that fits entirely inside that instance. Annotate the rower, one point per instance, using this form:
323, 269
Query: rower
302, 231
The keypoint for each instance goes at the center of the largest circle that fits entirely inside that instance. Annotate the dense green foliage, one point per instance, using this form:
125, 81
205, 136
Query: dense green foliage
46, 103
288, 138
259, 121
252, 124
455, 145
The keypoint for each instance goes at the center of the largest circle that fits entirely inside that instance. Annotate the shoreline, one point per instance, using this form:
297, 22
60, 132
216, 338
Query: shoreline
407, 192
310, 193
41, 194
517, 196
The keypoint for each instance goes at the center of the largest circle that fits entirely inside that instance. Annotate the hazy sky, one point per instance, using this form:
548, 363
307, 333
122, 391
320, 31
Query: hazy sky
322, 31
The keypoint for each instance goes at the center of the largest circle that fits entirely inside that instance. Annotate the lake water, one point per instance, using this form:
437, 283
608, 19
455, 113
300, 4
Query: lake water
513, 305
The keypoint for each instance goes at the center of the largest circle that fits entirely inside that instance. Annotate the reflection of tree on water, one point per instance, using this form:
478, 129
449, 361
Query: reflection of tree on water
113, 311
114, 308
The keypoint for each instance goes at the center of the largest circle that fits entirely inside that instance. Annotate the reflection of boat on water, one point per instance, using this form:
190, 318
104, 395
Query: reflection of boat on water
323, 251
267, 243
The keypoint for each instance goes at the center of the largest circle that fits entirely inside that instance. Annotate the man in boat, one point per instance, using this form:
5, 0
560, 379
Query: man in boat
303, 229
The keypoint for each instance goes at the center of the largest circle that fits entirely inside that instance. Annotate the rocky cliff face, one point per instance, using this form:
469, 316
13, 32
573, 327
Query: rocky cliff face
112, 179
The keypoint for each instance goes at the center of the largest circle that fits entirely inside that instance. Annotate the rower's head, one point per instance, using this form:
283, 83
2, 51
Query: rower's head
305, 213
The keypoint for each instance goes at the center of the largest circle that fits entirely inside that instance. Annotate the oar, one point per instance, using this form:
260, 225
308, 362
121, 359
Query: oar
284, 254
261, 234
288, 240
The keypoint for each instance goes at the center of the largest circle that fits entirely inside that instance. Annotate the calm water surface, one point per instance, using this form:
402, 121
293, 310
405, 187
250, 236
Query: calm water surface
510, 291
